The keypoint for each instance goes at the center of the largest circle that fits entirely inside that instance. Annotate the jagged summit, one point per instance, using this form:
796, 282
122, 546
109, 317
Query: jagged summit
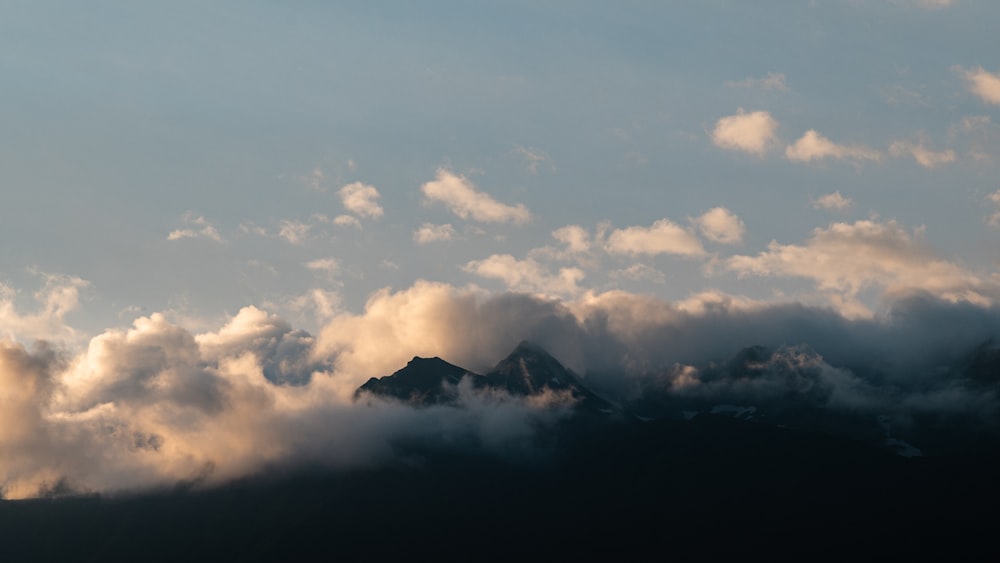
422, 381
528, 370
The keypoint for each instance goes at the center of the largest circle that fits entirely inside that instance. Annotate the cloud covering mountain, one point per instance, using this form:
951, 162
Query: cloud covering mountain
156, 404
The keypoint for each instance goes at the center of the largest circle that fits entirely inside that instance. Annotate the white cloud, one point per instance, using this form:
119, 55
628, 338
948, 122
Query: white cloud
663, 237
984, 84
346, 221
833, 201
429, 232
994, 219
361, 199
748, 132
721, 225
575, 237
845, 258
200, 228
59, 296
294, 231
324, 265
813, 146
321, 304
772, 81
461, 197
924, 156
527, 275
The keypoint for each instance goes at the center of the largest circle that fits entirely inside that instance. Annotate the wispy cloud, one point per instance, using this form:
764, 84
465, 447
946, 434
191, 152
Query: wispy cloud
924, 156
994, 219
199, 227
429, 232
527, 275
58, 297
294, 232
534, 158
983, 84
662, 237
832, 201
361, 199
460, 196
813, 146
771, 81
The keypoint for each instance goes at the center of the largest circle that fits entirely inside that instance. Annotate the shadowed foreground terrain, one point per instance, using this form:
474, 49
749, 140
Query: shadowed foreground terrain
706, 488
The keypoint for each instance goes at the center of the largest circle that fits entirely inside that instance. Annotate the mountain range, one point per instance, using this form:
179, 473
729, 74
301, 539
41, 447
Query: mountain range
530, 371
527, 371
629, 476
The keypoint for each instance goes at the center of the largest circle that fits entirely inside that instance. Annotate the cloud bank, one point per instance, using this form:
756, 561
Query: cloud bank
155, 404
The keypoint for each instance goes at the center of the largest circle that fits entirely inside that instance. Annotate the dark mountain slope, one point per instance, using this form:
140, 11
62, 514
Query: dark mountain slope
423, 381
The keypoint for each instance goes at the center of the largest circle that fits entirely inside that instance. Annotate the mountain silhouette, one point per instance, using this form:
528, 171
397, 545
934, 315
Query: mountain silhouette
423, 381
528, 370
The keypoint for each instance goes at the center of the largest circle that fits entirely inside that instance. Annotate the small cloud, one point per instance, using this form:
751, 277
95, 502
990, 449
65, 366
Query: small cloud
994, 219
923, 155
460, 196
832, 201
429, 232
314, 180
534, 158
324, 265
752, 132
982, 83
663, 237
294, 231
721, 225
346, 221
772, 81
199, 227
813, 146
527, 275
252, 228
899, 94
361, 199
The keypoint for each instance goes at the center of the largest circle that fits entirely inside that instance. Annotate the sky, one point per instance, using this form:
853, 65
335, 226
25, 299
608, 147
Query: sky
305, 188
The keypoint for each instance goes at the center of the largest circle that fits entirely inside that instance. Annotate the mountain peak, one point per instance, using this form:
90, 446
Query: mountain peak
529, 369
422, 381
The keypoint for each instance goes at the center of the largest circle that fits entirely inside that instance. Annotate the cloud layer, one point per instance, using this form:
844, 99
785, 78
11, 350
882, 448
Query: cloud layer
155, 404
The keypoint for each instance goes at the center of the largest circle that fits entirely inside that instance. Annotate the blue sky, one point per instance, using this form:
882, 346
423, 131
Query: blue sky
124, 123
